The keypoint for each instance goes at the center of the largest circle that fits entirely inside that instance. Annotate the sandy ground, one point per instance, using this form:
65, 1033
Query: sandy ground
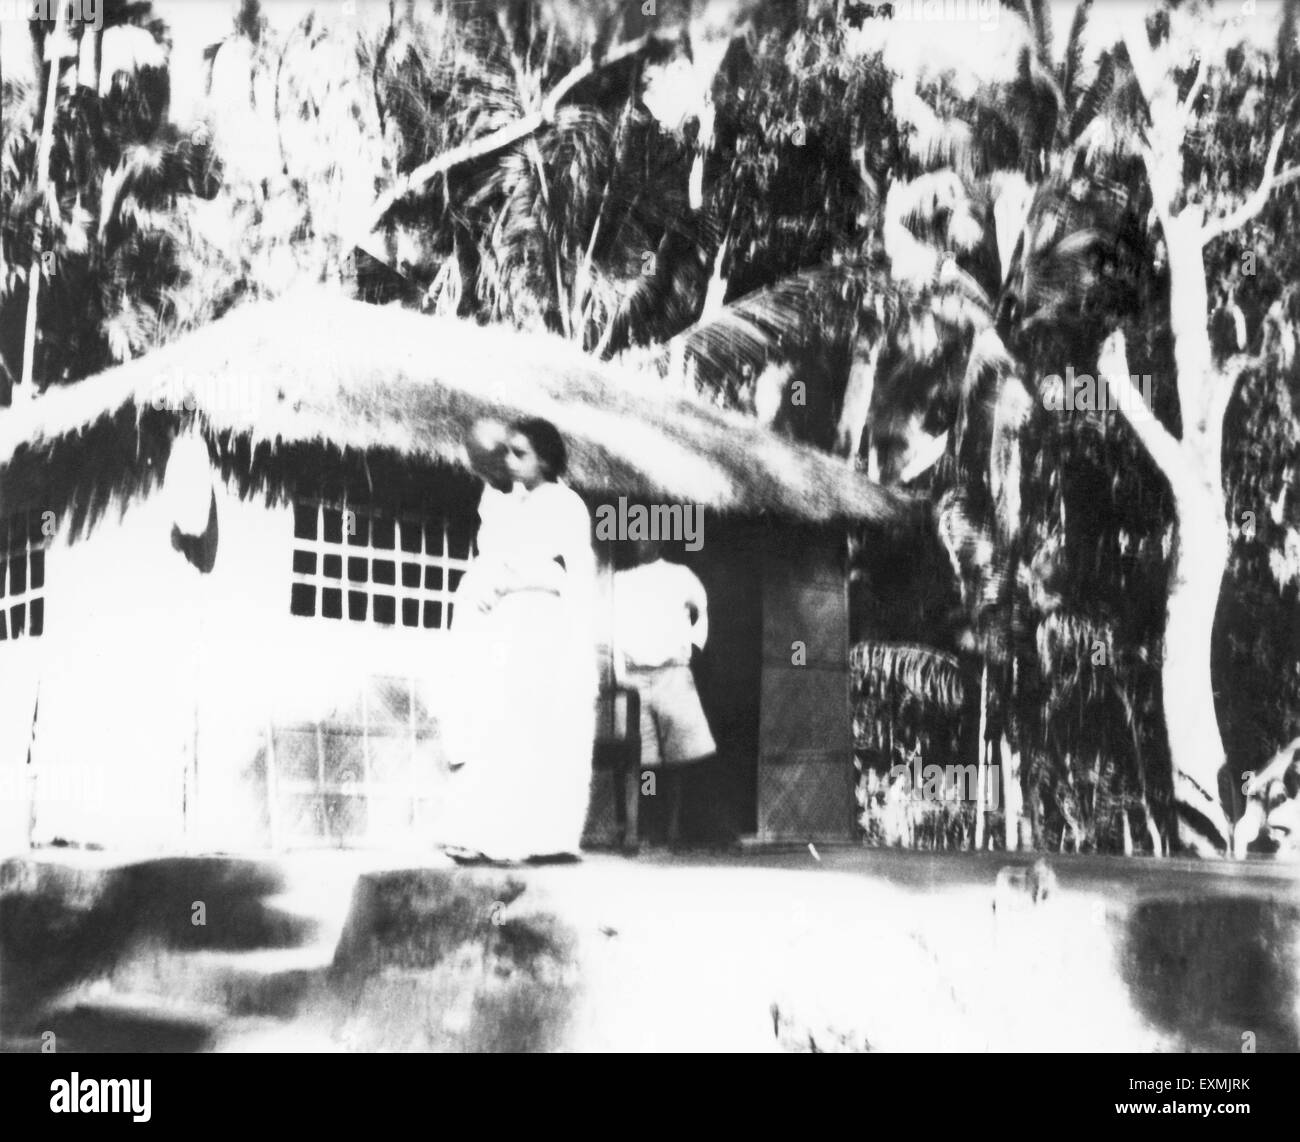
806, 950
752, 958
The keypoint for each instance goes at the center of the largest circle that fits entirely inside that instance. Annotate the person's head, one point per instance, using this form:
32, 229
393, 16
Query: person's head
485, 444
536, 452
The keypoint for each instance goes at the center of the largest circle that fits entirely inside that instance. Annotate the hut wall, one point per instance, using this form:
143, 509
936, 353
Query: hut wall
110, 676
19, 664
160, 687
805, 764
165, 693
312, 729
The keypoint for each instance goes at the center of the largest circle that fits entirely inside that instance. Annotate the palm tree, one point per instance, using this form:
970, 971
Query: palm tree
575, 221
42, 189
570, 223
105, 231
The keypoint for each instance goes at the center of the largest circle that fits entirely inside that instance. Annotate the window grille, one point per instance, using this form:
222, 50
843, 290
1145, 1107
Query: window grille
22, 576
367, 565
374, 770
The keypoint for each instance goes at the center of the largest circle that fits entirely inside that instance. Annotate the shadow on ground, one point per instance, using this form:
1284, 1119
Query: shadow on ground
1221, 972
114, 959
62, 926
449, 960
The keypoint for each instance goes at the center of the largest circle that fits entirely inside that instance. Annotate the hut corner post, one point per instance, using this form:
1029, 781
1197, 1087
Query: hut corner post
806, 781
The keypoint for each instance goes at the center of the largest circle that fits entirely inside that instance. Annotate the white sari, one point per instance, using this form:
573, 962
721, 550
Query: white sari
519, 720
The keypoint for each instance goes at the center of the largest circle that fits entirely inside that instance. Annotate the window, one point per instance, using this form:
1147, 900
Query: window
22, 576
374, 770
366, 565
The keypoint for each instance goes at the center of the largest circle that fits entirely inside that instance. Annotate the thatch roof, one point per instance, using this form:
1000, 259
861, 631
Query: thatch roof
273, 383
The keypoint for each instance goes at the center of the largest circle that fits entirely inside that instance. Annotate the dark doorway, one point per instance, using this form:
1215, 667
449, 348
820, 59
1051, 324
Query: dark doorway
722, 794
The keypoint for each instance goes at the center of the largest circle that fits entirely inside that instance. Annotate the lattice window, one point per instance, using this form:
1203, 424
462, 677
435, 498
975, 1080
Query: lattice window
22, 576
372, 767
368, 565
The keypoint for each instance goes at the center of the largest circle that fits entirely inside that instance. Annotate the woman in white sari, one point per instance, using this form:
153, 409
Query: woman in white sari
519, 722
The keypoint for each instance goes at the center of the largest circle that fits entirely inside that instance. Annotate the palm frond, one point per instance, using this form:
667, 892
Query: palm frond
1090, 103
988, 367
934, 141
1072, 73
1075, 652
826, 306
923, 203
884, 672
1040, 13
968, 540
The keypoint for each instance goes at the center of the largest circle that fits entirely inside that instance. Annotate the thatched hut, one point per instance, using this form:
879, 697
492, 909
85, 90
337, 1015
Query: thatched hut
236, 640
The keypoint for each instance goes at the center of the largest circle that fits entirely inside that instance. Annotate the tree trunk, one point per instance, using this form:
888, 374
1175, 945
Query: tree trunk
1200, 552
715, 295
27, 387
1194, 468
982, 769
36, 33
1153, 830
851, 433
90, 56
1195, 746
1012, 797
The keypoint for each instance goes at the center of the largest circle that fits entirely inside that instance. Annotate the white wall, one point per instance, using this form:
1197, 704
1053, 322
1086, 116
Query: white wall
111, 678
143, 656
